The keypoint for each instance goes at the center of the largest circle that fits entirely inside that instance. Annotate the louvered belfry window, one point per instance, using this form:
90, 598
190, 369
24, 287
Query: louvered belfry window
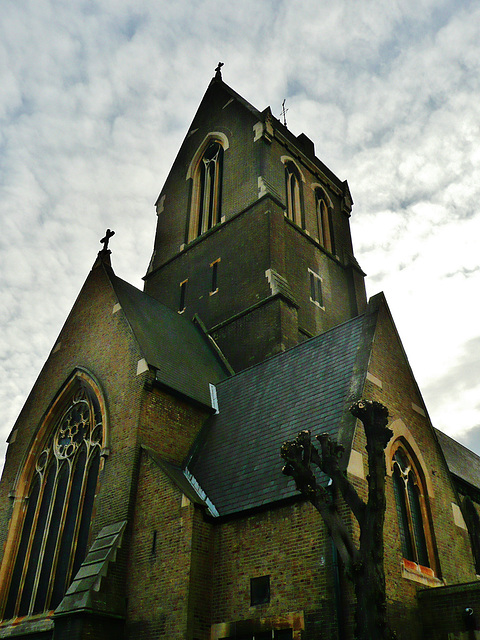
54, 535
324, 221
292, 193
210, 188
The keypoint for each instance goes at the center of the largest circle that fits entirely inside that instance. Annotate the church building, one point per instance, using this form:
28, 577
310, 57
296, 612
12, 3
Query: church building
143, 496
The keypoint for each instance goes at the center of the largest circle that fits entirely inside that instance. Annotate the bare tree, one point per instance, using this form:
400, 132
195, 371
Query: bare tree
362, 560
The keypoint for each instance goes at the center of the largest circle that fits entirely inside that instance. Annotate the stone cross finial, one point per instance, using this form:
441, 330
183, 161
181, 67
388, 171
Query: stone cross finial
218, 71
109, 233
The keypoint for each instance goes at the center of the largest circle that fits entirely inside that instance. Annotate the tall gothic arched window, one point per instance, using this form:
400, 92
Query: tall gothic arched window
292, 193
324, 220
411, 507
207, 191
52, 536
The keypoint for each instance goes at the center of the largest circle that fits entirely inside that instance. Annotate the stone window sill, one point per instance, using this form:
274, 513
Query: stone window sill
422, 575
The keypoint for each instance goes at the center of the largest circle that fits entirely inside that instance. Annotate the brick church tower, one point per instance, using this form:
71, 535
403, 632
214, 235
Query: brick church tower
253, 233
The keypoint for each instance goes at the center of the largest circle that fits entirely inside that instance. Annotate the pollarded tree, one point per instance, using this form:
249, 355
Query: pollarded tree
362, 560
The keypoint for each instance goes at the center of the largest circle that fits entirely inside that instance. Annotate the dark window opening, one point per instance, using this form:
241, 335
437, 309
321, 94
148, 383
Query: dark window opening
409, 510
214, 287
259, 590
472, 521
316, 293
210, 188
183, 296
292, 193
154, 543
324, 220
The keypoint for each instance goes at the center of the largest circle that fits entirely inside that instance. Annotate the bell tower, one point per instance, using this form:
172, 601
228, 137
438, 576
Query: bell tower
253, 233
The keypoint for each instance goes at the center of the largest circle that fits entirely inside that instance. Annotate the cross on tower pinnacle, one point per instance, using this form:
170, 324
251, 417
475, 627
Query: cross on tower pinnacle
108, 234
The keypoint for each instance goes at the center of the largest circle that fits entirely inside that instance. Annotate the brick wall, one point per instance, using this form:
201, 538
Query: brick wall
168, 424
290, 545
399, 393
444, 612
160, 565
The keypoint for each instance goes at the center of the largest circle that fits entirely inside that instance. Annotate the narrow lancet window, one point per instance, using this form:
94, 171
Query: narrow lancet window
292, 192
214, 284
207, 200
411, 510
183, 296
324, 220
316, 291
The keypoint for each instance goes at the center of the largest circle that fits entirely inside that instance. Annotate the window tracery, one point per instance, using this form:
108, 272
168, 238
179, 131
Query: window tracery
412, 509
53, 537
207, 190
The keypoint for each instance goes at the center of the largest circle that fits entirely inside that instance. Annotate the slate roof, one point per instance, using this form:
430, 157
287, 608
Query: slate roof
238, 462
461, 462
178, 350
84, 593
176, 475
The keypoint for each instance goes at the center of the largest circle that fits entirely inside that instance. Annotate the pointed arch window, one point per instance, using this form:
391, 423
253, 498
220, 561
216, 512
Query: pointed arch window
324, 220
412, 509
293, 193
207, 190
52, 537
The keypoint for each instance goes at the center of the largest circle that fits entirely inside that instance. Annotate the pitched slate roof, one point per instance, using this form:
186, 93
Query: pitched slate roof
84, 594
461, 462
238, 463
181, 354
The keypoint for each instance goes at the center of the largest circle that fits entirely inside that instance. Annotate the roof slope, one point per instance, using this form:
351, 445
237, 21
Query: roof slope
461, 462
178, 350
239, 464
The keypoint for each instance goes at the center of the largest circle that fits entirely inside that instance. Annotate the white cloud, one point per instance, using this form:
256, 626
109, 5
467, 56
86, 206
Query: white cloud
96, 99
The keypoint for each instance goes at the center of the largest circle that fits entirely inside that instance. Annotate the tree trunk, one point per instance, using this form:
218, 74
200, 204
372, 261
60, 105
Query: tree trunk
370, 609
363, 563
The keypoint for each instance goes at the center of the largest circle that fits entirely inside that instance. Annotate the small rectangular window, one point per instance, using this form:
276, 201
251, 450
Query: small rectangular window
183, 296
214, 285
259, 590
316, 293
154, 543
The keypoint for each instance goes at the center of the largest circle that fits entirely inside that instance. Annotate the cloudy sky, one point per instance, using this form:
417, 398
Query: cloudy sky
96, 97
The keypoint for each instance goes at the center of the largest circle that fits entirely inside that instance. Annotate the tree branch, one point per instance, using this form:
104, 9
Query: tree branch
331, 454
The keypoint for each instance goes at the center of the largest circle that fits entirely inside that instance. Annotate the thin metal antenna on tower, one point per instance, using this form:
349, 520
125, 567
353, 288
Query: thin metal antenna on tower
284, 112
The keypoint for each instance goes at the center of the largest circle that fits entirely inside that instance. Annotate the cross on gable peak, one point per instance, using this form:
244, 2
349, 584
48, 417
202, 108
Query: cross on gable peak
105, 240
